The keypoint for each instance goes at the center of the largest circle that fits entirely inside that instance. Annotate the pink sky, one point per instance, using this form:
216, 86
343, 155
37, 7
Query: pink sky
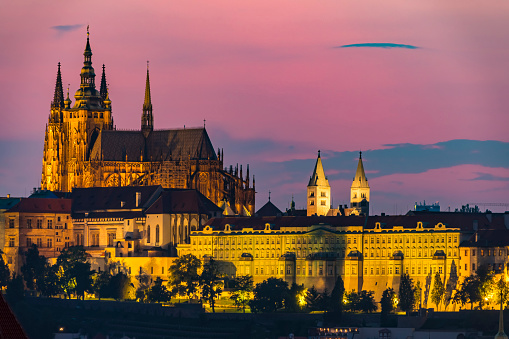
270, 72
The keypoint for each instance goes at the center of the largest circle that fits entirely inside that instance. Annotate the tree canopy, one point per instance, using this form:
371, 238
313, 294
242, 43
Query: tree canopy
406, 294
438, 291
211, 283
184, 276
241, 292
269, 295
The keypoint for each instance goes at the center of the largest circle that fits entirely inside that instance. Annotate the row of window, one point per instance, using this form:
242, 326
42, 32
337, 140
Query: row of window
488, 252
49, 223
399, 239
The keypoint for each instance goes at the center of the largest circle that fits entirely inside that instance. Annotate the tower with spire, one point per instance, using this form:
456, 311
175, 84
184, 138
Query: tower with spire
318, 193
359, 192
147, 119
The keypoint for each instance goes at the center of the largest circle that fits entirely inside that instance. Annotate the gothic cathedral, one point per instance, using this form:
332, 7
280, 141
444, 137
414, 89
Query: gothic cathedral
82, 148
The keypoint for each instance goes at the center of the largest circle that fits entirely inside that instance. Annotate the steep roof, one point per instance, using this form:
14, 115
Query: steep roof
318, 177
269, 209
360, 179
42, 205
98, 200
182, 201
9, 325
115, 145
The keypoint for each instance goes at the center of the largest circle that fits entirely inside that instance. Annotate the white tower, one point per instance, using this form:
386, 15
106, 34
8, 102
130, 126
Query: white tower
318, 191
359, 192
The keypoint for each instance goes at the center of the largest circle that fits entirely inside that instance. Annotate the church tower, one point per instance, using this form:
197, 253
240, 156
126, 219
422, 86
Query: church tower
147, 120
318, 191
359, 192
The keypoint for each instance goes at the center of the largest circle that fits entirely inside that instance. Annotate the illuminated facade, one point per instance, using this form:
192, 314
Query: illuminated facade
369, 253
82, 148
318, 191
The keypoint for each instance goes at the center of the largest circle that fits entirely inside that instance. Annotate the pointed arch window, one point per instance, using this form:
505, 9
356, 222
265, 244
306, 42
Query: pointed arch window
148, 234
157, 234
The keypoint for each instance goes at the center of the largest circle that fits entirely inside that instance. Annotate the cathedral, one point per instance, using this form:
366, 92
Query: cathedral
83, 148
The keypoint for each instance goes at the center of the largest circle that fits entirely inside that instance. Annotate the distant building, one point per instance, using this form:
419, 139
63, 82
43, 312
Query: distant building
435, 207
6, 203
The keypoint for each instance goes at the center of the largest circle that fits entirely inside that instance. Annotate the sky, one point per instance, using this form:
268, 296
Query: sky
421, 88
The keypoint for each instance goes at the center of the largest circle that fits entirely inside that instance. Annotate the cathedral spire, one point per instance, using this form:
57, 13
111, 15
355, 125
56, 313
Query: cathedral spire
87, 72
58, 98
147, 120
104, 88
318, 177
360, 179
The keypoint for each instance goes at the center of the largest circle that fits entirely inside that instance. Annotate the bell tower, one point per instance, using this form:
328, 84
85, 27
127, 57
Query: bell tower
359, 192
318, 193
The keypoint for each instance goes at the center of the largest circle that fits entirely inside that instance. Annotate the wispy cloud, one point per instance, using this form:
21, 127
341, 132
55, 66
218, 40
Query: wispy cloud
488, 177
380, 45
66, 28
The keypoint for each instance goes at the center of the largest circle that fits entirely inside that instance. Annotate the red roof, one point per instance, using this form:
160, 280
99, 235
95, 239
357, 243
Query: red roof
9, 325
42, 205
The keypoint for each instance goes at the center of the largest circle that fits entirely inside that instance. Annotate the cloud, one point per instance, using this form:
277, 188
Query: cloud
380, 45
488, 177
66, 28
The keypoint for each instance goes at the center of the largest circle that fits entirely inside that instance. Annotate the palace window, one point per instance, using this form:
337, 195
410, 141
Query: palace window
29, 242
50, 223
396, 270
473, 252
29, 223
11, 222
11, 241
39, 242
50, 242
39, 223
440, 269
111, 237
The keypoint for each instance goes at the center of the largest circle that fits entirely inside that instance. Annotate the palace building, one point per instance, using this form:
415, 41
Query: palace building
83, 148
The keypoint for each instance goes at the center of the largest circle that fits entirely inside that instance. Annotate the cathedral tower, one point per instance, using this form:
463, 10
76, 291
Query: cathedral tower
147, 120
318, 191
359, 192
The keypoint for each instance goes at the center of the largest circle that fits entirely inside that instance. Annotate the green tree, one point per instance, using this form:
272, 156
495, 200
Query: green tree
387, 305
5, 274
184, 275
468, 292
502, 291
295, 298
33, 268
241, 292
313, 299
74, 272
367, 302
47, 283
486, 285
211, 283
101, 284
406, 294
438, 291
352, 301
269, 295
336, 297
120, 286
158, 292
418, 294
144, 282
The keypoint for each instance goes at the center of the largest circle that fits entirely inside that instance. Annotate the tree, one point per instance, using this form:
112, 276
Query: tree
101, 284
184, 275
15, 290
313, 299
336, 297
144, 281
438, 291
241, 291
502, 291
211, 283
5, 274
418, 294
367, 302
74, 271
406, 294
468, 292
352, 301
47, 283
387, 304
33, 268
269, 295
295, 298
120, 286
158, 292
486, 286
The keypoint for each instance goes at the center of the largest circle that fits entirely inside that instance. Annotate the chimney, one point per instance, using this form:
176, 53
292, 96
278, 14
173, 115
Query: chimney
122, 203
138, 199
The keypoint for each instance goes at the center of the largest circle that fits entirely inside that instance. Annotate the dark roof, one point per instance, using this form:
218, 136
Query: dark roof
182, 201
7, 203
464, 221
488, 238
50, 194
258, 223
269, 209
42, 205
97, 200
115, 145
9, 325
